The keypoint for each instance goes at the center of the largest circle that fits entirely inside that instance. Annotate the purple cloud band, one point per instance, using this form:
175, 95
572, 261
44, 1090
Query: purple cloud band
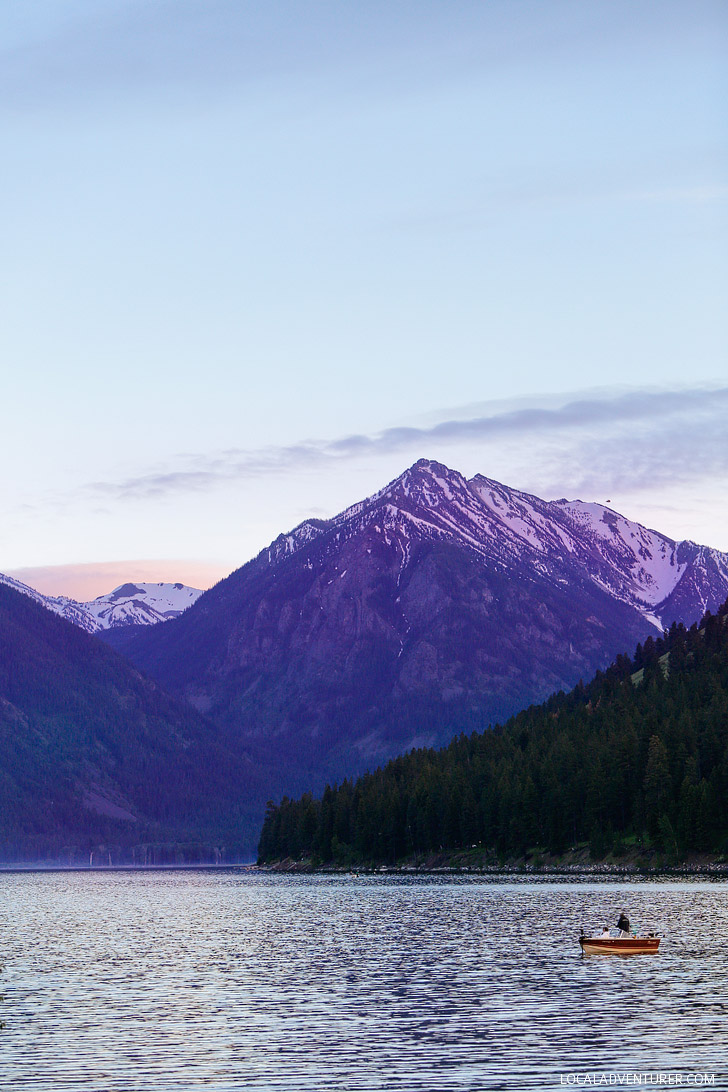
636, 437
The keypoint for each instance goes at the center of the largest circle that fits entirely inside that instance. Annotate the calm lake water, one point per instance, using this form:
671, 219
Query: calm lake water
128, 982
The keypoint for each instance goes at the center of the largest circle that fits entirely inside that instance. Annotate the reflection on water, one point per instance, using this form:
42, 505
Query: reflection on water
128, 982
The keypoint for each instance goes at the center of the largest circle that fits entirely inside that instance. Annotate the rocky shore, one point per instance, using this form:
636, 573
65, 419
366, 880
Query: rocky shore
576, 862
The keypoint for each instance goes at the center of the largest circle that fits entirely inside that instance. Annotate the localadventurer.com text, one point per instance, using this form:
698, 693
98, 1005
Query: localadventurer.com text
673, 1080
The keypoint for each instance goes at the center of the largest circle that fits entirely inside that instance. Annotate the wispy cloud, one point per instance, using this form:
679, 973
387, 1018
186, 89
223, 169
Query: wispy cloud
648, 459
638, 436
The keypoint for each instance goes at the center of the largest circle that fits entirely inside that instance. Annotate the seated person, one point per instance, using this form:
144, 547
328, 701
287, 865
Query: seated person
605, 933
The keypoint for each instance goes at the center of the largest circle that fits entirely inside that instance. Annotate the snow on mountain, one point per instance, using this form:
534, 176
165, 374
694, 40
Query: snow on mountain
67, 608
507, 528
141, 604
129, 604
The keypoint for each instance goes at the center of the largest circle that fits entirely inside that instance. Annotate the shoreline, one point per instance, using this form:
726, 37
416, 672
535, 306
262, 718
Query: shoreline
576, 863
718, 871
466, 863
297, 868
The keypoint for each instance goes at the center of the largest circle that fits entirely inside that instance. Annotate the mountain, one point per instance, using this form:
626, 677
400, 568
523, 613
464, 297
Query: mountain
437, 605
128, 605
96, 759
638, 758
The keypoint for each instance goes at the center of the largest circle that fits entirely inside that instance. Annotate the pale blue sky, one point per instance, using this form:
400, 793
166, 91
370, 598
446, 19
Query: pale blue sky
235, 228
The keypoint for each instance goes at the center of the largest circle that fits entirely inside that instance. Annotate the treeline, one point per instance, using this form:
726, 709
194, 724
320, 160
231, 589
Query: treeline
640, 754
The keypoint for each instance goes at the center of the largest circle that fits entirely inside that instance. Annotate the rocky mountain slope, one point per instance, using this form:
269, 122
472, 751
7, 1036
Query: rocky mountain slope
437, 605
635, 763
129, 604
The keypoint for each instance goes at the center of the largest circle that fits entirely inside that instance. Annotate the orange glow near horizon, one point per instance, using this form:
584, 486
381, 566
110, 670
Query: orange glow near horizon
86, 581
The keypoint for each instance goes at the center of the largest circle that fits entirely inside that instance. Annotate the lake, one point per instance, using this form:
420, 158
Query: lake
220, 980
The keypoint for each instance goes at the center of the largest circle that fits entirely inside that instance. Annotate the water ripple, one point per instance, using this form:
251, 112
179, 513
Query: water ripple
132, 982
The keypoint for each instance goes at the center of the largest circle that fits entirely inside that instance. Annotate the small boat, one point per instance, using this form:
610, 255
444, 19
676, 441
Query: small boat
625, 945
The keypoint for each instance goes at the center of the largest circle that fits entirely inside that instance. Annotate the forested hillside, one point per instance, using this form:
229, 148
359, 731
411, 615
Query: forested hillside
638, 754
98, 763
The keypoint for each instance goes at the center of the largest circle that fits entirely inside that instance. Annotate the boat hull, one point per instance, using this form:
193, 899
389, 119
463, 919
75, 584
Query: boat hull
619, 945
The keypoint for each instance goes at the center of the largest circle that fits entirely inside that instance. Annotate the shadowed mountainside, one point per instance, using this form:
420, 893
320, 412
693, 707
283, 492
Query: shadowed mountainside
96, 758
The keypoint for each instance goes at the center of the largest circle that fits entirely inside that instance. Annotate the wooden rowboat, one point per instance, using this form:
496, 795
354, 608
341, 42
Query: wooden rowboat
619, 945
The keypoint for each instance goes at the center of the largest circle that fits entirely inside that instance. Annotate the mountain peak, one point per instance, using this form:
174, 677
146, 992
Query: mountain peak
426, 482
430, 468
433, 467
124, 591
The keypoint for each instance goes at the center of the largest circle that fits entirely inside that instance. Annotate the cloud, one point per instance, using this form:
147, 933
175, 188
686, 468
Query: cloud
658, 456
631, 407
639, 436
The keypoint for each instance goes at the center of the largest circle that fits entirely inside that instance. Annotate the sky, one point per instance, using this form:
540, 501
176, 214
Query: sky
260, 256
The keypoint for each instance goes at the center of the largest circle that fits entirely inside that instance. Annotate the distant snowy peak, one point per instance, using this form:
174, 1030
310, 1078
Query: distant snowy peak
516, 532
129, 604
141, 604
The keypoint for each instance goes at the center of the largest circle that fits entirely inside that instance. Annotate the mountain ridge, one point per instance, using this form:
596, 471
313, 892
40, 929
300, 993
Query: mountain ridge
654, 585
138, 603
436, 605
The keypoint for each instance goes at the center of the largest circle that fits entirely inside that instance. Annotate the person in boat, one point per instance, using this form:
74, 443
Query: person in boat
623, 925
605, 932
